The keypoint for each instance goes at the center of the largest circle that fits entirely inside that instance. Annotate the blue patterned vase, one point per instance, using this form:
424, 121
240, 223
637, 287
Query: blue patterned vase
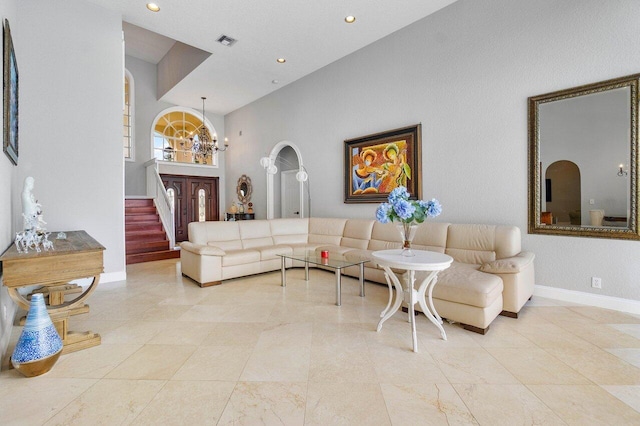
39, 345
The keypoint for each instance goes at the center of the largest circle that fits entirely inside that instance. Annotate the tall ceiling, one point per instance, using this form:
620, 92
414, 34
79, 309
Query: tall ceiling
309, 34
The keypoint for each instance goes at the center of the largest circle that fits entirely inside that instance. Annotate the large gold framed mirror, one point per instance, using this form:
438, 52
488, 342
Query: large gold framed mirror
583, 160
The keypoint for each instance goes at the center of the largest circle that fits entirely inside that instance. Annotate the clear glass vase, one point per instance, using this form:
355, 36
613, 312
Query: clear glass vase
407, 232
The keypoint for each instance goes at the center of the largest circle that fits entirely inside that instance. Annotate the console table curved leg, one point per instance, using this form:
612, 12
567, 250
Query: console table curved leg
430, 299
73, 341
429, 311
398, 301
390, 285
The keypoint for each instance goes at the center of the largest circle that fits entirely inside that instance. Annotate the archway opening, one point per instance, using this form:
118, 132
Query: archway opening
287, 182
562, 193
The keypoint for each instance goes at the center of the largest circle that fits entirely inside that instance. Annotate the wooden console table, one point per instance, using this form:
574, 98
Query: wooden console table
240, 216
77, 256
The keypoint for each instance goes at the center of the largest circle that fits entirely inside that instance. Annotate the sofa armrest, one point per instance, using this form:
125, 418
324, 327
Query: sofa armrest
509, 265
202, 249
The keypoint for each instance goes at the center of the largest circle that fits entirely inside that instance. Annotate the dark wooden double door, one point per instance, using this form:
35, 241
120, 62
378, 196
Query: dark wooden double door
195, 197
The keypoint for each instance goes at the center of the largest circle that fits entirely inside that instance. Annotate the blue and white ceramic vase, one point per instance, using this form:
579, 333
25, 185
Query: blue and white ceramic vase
39, 345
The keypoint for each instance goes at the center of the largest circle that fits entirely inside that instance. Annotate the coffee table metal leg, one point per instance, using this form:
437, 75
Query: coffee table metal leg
362, 280
283, 273
306, 271
338, 287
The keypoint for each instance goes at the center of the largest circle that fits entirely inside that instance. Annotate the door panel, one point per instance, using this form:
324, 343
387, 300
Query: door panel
181, 220
187, 189
290, 194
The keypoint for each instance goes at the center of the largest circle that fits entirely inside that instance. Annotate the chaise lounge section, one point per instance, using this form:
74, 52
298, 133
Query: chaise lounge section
490, 274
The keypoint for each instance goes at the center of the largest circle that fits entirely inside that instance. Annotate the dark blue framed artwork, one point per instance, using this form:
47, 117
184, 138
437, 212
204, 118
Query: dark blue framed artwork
10, 96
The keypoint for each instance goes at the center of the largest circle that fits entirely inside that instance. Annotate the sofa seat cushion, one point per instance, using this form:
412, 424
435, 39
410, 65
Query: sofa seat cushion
464, 283
359, 256
272, 252
240, 257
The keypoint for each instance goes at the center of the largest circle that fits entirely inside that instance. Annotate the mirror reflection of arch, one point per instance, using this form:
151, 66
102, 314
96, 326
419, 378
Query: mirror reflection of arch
284, 164
561, 193
170, 131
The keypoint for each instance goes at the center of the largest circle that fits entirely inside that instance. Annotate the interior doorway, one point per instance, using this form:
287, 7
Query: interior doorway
274, 196
195, 199
289, 194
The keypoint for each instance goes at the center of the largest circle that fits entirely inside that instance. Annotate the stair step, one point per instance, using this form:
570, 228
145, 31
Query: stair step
149, 257
128, 218
142, 226
138, 202
140, 210
134, 247
145, 235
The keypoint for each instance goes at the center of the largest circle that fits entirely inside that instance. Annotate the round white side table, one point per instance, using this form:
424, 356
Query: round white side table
427, 261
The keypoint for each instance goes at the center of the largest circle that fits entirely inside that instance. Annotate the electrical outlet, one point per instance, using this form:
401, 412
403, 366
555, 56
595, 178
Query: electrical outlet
596, 282
592, 201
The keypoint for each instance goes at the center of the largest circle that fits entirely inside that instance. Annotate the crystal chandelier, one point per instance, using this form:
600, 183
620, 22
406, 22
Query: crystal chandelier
205, 145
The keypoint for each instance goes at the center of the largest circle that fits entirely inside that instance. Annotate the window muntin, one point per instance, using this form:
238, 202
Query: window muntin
173, 134
127, 123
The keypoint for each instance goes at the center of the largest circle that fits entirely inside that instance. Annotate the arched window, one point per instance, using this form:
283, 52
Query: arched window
128, 119
175, 131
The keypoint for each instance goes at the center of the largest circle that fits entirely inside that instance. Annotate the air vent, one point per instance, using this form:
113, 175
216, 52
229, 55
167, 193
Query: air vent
226, 40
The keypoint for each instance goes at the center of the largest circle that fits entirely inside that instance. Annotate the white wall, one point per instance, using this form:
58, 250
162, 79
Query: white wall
465, 73
8, 195
70, 61
147, 107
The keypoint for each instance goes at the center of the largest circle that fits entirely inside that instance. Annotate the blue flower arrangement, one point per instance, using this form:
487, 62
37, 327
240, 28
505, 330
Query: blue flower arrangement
400, 208
408, 212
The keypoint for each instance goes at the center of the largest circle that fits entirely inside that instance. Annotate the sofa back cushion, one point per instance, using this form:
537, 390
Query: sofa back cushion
225, 235
384, 237
326, 230
357, 233
430, 236
289, 231
478, 244
255, 233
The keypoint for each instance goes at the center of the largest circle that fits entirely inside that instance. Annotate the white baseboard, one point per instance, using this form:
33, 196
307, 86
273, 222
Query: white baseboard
113, 276
606, 302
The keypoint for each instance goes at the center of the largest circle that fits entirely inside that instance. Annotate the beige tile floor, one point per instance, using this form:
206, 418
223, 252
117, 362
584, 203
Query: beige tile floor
251, 352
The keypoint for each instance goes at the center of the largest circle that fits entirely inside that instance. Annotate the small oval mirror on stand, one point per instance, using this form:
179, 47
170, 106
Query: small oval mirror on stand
244, 189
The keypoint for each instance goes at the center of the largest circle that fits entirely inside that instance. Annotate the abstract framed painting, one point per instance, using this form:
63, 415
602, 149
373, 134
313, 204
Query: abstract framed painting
376, 164
10, 95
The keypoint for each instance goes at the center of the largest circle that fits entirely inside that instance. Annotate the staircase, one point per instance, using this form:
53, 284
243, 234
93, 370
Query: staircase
145, 237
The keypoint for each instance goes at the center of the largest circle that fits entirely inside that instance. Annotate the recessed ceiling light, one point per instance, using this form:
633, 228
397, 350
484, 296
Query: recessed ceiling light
281, 60
275, 81
350, 19
153, 7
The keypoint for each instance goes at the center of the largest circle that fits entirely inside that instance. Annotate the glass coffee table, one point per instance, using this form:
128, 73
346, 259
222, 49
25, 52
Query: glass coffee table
334, 261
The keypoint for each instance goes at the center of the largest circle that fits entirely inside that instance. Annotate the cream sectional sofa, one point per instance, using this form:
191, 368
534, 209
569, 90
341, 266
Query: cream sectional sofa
490, 274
